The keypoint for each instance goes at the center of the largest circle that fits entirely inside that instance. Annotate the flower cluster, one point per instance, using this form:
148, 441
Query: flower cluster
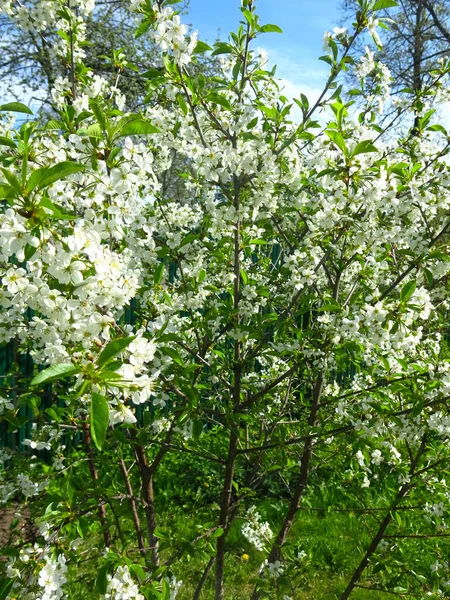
171, 35
256, 531
121, 586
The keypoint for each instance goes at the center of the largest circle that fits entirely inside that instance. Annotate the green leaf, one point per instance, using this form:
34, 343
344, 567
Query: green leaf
187, 547
98, 112
364, 147
138, 127
407, 291
53, 414
188, 240
173, 354
269, 111
5, 141
16, 107
201, 47
197, 428
165, 591
142, 28
101, 581
437, 127
110, 375
113, 348
158, 274
56, 210
219, 99
182, 104
423, 121
9, 551
54, 125
237, 69
269, 28
45, 176
55, 372
380, 4
326, 58
222, 48
249, 16
99, 419
152, 74
5, 587
94, 131
429, 276
336, 137
6, 192
218, 532
138, 571
35, 178
12, 180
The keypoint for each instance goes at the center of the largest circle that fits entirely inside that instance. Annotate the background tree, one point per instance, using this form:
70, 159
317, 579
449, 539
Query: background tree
28, 60
416, 39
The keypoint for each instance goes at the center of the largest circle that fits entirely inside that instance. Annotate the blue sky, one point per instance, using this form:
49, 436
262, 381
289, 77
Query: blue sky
295, 51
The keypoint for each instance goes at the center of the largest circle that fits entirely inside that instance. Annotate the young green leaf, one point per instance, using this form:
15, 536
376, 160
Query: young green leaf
54, 125
16, 107
407, 291
364, 147
173, 354
249, 16
138, 127
45, 176
219, 99
244, 276
182, 104
5, 587
380, 4
201, 47
336, 137
269, 28
94, 131
56, 210
99, 114
99, 419
152, 74
5, 141
113, 348
218, 532
437, 127
55, 372
222, 48
12, 180
7, 192
142, 28
158, 274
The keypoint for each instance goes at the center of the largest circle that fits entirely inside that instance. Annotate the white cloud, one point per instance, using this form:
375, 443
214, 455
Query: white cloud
299, 76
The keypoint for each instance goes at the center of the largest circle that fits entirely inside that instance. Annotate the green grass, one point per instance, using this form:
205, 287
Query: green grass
334, 543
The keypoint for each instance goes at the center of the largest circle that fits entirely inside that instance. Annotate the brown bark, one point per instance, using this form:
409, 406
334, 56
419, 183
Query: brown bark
149, 500
134, 510
219, 590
